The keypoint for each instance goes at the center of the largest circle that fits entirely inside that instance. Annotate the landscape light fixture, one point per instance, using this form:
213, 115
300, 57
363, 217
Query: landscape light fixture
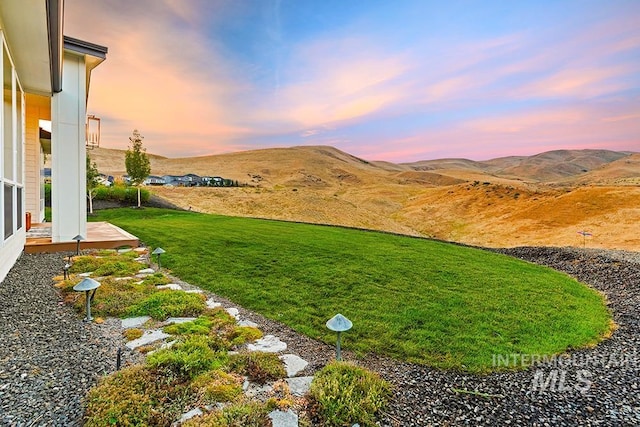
339, 324
78, 239
87, 285
158, 251
584, 237
65, 270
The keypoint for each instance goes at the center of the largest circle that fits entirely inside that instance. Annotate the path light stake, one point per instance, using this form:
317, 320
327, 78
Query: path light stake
584, 237
158, 251
78, 239
65, 270
119, 359
339, 324
87, 285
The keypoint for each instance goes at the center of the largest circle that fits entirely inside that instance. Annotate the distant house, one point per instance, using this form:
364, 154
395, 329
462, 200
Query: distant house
154, 180
192, 180
106, 180
174, 180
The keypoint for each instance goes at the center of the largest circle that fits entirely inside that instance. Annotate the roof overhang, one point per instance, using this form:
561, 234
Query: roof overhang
93, 54
33, 30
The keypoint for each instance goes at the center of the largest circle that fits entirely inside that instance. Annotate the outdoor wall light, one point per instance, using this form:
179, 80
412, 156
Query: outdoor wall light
158, 251
87, 285
339, 324
78, 239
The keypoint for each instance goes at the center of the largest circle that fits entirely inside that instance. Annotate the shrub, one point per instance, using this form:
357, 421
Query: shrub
258, 366
197, 354
86, 263
218, 386
242, 334
202, 326
163, 304
132, 334
253, 414
119, 268
121, 193
156, 279
344, 394
134, 396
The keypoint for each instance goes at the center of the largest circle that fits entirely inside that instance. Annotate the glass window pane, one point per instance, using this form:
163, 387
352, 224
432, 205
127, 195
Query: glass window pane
8, 211
7, 115
19, 213
20, 136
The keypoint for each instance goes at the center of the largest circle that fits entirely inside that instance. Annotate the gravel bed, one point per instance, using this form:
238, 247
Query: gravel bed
49, 357
41, 383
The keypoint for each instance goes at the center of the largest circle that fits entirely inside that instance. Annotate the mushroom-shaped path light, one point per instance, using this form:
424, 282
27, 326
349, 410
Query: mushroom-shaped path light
87, 285
339, 324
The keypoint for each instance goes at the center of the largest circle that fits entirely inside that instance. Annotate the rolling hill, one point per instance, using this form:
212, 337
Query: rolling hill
512, 201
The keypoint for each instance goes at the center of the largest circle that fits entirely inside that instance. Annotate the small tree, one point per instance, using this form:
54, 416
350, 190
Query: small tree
137, 161
92, 181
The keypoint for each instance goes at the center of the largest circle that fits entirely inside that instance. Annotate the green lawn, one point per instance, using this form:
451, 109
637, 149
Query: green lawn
412, 299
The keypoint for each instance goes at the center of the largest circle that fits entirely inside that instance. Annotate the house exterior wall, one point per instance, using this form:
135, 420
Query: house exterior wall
12, 224
68, 153
37, 108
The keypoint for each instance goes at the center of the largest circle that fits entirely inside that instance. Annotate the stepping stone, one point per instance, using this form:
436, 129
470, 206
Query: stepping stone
233, 311
293, 364
212, 304
283, 419
253, 389
172, 286
268, 344
85, 274
124, 251
141, 259
148, 338
171, 320
134, 322
248, 323
188, 415
140, 250
123, 278
194, 291
299, 386
146, 271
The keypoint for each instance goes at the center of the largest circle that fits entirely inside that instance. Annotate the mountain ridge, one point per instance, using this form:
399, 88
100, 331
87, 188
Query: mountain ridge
540, 200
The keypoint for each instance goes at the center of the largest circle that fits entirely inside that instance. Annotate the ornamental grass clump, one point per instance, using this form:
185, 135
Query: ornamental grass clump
260, 367
201, 326
195, 355
343, 394
168, 303
217, 386
245, 414
136, 396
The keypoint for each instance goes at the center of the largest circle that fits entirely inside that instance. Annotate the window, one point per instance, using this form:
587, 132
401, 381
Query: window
8, 211
11, 148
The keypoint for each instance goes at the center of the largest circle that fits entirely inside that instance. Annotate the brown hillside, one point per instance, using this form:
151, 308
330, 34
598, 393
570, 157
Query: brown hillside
537, 200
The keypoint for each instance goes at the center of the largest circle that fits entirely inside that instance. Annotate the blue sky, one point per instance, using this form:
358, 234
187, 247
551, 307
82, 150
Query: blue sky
397, 81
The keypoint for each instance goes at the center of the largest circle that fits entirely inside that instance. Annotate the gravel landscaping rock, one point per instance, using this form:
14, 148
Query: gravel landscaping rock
49, 357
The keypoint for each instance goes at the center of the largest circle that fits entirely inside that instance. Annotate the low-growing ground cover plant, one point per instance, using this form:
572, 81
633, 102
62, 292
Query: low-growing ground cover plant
417, 300
343, 394
196, 371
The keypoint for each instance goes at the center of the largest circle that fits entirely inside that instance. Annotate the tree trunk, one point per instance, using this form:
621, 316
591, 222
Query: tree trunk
91, 202
138, 196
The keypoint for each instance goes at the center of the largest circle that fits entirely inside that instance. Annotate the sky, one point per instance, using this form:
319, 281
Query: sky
400, 81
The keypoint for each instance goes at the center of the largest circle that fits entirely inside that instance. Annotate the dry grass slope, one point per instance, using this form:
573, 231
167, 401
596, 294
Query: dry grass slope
512, 201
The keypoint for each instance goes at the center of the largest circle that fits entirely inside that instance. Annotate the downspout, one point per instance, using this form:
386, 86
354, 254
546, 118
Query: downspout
55, 22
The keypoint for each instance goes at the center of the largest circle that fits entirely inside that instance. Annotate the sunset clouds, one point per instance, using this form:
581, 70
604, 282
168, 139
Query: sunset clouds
394, 81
